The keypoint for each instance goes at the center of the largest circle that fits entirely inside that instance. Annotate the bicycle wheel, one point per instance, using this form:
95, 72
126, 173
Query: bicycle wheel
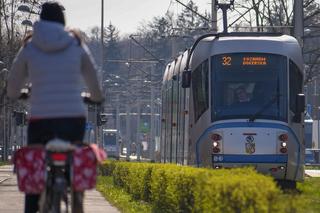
50, 202
56, 203
45, 202
77, 202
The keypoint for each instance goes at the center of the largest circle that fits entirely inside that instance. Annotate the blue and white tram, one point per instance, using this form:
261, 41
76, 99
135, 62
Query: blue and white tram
235, 100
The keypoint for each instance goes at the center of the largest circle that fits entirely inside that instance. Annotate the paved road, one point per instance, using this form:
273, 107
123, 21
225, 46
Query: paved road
12, 201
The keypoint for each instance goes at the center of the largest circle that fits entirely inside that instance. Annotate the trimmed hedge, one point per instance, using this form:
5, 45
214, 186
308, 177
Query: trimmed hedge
119, 198
173, 188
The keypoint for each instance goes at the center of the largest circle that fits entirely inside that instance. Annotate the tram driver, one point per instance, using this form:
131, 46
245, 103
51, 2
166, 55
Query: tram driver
241, 95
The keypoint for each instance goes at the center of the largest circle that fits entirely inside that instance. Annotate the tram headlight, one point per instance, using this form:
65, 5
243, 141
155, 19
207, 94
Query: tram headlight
284, 144
215, 147
216, 141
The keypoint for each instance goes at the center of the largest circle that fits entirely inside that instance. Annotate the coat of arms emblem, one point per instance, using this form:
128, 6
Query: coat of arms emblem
250, 144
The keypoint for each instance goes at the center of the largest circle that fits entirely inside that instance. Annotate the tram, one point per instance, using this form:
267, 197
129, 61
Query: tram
235, 100
110, 142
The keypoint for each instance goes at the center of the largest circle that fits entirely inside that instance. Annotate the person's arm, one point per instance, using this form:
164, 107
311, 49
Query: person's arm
18, 75
89, 73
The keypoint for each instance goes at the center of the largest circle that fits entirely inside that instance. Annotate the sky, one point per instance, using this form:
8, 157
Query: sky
126, 15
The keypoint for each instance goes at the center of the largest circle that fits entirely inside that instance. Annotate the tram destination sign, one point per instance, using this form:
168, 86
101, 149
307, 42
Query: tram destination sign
228, 60
254, 60
245, 61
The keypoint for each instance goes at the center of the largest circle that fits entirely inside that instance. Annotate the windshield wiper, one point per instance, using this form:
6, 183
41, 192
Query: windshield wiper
264, 107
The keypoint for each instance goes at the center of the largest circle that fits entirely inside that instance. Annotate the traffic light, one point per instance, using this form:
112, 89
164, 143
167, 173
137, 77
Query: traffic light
20, 118
101, 119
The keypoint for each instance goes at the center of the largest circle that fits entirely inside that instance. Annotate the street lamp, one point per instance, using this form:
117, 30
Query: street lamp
26, 8
27, 23
4, 71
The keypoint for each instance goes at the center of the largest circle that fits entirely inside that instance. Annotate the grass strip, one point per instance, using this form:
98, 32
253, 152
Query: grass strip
312, 167
310, 192
119, 198
2, 163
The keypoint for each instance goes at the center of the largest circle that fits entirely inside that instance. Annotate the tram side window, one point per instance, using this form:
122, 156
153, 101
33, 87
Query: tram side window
200, 89
296, 79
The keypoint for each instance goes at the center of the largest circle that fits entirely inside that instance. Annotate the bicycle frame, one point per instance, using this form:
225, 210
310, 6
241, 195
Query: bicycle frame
58, 178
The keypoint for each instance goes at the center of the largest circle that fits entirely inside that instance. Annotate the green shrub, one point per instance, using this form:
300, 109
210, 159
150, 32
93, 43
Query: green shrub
135, 180
172, 188
246, 191
107, 167
120, 175
119, 198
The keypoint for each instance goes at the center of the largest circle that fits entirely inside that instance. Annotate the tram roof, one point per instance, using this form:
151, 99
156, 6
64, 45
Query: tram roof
176, 66
236, 43
166, 72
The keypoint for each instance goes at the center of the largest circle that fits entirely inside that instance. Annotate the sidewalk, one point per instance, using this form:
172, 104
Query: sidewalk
312, 173
12, 201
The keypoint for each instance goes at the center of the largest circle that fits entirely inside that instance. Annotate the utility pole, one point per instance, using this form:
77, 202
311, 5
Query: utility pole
152, 120
98, 129
138, 143
298, 20
5, 139
0, 25
173, 46
119, 148
101, 36
128, 132
214, 17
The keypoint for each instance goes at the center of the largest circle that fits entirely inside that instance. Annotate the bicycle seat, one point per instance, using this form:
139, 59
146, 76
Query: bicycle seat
58, 145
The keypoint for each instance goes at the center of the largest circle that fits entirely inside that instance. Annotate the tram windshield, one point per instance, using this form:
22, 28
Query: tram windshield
249, 85
110, 138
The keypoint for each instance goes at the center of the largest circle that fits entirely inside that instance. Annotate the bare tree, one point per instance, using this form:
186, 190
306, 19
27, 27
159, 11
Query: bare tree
11, 29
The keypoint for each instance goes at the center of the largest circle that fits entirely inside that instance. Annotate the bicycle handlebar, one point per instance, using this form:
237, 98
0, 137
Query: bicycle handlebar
25, 94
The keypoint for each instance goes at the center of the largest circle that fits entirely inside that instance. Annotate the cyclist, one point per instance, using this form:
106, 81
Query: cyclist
58, 65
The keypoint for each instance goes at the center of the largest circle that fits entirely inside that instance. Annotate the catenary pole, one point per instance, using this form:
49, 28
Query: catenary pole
213, 16
298, 20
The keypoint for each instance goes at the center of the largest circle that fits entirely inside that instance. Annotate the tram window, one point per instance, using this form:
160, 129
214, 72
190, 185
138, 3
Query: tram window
295, 78
200, 89
244, 93
261, 79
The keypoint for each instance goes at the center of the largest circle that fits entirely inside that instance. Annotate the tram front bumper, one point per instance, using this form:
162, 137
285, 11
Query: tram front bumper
273, 164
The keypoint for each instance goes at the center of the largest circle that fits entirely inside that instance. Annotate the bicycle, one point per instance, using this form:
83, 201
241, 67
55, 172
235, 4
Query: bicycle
58, 174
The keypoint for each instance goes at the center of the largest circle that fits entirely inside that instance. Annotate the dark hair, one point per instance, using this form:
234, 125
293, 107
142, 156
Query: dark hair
52, 11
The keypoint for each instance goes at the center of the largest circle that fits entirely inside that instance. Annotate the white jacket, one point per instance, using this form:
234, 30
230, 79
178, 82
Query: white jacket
56, 65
